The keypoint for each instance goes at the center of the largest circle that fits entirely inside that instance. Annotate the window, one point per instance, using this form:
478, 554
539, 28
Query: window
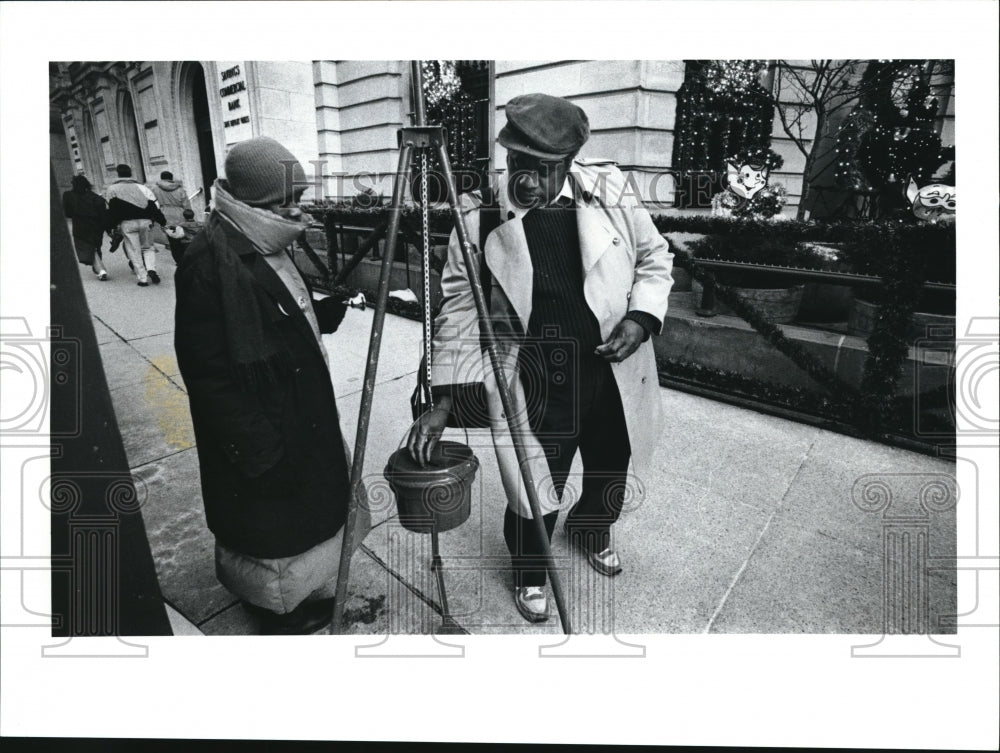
457, 95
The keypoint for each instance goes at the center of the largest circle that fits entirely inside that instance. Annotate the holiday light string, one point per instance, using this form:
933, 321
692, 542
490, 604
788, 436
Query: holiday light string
722, 108
889, 136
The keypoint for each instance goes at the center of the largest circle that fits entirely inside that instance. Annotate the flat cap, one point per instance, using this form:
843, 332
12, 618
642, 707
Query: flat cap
544, 126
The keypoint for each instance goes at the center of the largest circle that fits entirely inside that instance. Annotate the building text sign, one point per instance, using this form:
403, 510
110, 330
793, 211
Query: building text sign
235, 101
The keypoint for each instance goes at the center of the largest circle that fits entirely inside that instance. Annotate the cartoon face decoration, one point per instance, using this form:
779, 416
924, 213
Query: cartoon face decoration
746, 180
933, 203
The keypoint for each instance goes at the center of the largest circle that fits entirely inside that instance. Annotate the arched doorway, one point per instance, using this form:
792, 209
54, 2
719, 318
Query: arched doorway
132, 143
199, 144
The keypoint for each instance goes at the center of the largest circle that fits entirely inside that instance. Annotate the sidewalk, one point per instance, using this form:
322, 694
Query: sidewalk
747, 526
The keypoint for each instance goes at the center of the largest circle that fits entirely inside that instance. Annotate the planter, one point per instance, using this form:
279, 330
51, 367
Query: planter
931, 330
776, 305
824, 302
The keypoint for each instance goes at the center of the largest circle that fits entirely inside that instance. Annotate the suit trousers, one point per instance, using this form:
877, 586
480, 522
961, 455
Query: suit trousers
582, 413
138, 243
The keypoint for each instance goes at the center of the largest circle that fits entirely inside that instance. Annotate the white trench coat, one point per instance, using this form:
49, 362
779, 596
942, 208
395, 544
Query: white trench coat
626, 266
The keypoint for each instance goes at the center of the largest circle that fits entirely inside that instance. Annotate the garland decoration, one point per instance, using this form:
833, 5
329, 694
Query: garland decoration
841, 391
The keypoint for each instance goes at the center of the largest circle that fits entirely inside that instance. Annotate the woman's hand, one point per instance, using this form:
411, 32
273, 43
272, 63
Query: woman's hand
427, 431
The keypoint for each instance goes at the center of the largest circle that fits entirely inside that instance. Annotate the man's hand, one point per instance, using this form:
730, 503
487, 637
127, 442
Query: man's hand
625, 338
427, 431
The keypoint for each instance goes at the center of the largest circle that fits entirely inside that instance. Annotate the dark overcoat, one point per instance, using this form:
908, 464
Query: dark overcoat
89, 213
274, 469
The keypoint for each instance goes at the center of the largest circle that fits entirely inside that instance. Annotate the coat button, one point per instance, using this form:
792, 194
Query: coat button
315, 427
617, 241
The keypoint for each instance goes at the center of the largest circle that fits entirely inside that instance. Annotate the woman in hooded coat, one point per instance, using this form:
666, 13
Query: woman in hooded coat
88, 211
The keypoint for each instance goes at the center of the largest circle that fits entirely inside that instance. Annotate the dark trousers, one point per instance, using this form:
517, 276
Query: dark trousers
584, 414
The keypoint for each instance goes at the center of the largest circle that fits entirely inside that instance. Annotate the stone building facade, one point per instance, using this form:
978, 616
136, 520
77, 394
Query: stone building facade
340, 118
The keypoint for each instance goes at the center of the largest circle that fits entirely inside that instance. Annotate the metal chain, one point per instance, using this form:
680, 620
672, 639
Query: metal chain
425, 219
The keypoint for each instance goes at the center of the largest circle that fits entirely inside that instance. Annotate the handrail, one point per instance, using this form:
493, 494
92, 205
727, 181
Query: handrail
819, 275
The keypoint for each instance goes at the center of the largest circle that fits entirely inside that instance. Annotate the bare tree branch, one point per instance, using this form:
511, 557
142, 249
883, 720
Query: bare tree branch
788, 124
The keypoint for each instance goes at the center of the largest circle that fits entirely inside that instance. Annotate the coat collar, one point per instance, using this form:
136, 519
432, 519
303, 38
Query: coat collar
516, 212
268, 279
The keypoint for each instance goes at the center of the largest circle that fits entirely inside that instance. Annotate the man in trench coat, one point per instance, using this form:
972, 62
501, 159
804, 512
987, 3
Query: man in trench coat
580, 280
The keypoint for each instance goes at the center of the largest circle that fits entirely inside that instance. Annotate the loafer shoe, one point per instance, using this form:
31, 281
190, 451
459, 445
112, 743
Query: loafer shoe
532, 603
142, 284
154, 277
605, 562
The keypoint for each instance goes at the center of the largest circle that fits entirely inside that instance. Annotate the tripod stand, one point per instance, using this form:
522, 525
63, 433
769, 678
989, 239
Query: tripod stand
416, 141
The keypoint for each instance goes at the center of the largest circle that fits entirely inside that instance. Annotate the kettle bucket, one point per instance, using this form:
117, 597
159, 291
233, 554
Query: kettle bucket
437, 497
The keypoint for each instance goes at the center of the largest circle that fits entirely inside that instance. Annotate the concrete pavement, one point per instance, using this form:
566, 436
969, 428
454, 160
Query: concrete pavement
750, 523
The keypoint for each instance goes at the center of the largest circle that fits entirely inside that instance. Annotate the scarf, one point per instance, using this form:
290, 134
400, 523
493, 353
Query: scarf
257, 355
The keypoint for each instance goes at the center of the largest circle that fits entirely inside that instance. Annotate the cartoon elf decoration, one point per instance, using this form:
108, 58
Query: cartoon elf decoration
747, 193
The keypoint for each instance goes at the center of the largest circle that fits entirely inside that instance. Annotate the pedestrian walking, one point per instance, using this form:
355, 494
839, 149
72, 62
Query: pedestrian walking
181, 234
133, 210
580, 279
89, 213
274, 466
172, 200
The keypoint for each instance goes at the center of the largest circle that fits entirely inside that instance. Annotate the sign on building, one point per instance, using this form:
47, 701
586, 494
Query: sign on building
74, 144
235, 101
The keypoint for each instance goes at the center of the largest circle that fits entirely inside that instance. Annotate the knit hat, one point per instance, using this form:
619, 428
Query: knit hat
544, 126
258, 174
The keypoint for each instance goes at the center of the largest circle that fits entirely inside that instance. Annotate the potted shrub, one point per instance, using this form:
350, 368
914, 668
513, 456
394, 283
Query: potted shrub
772, 295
